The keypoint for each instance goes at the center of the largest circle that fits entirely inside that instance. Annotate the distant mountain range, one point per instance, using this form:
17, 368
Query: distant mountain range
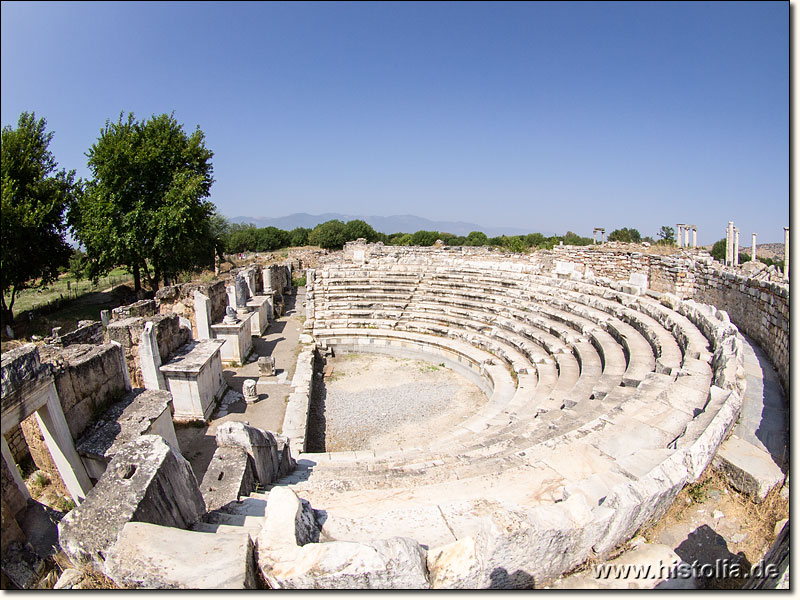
393, 224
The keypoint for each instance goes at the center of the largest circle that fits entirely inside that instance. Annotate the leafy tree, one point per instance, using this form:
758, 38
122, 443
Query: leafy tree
517, 244
220, 230
405, 239
535, 239
424, 238
299, 236
271, 238
241, 237
625, 235
357, 228
666, 235
35, 197
145, 207
718, 250
330, 235
573, 239
477, 238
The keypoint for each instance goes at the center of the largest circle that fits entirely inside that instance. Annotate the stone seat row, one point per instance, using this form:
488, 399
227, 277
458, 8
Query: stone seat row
502, 422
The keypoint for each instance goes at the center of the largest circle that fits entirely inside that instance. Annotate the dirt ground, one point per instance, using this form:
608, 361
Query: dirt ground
383, 403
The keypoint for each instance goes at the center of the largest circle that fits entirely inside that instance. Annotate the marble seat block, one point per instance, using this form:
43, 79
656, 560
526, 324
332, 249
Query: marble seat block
237, 337
261, 310
194, 377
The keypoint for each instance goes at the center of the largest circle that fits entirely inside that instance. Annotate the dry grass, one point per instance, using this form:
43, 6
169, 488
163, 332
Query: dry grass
757, 520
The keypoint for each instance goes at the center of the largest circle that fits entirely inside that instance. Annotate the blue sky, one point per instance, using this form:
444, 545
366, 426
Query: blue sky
542, 116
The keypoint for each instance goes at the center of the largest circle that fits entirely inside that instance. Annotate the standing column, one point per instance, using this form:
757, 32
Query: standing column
680, 235
686, 233
736, 247
694, 238
786, 253
754, 248
729, 245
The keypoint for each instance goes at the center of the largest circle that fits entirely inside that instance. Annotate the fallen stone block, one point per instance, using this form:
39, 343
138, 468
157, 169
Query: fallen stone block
155, 557
455, 566
229, 476
259, 444
748, 469
147, 481
394, 563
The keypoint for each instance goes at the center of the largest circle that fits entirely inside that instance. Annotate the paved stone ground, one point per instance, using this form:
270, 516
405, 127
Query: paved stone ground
764, 422
281, 340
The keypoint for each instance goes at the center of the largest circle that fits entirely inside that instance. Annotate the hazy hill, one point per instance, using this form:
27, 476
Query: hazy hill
393, 224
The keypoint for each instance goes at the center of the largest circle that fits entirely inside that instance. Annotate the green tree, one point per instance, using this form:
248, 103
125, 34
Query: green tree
666, 235
241, 237
625, 235
357, 228
573, 239
145, 207
424, 238
330, 235
477, 238
299, 236
517, 244
271, 238
718, 250
35, 198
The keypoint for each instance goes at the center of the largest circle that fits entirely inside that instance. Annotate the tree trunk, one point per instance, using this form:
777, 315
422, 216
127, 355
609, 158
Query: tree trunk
137, 279
8, 310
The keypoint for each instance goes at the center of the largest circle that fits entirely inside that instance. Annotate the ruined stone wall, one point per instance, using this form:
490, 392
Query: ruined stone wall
87, 332
88, 378
759, 308
179, 299
142, 308
17, 444
128, 333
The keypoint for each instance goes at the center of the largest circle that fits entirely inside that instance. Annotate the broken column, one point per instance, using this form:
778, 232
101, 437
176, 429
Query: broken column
249, 391
150, 359
241, 293
147, 480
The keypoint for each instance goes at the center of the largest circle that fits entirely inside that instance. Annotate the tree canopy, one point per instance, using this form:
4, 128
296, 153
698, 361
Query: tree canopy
145, 207
35, 198
625, 235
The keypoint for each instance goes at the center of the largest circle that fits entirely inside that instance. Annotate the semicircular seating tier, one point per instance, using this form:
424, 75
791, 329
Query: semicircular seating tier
601, 406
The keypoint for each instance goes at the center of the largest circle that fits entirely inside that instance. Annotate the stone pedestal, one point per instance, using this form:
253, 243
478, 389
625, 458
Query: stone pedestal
194, 376
261, 309
237, 338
